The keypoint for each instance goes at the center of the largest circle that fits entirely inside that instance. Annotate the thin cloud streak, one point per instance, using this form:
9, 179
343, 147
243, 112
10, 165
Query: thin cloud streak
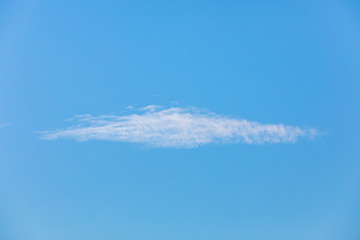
3, 125
177, 128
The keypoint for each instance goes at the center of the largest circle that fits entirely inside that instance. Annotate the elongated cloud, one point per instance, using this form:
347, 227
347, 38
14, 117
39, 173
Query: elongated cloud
177, 127
3, 125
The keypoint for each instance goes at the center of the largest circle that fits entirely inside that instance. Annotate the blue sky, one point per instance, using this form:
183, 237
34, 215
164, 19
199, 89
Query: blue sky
256, 135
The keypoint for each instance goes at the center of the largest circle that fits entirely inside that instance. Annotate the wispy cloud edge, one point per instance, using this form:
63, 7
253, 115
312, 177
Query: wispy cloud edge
3, 125
177, 127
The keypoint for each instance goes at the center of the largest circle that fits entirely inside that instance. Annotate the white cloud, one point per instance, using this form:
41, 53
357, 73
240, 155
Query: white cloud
151, 108
2, 125
177, 127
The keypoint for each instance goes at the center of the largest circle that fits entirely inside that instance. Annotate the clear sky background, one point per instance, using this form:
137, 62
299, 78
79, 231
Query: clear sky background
290, 62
